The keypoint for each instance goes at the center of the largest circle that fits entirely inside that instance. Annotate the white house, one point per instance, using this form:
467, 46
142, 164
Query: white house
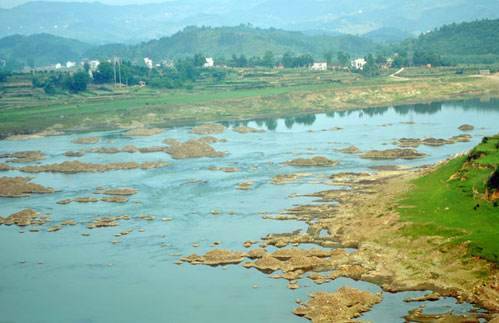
70, 64
319, 66
94, 64
58, 66
148, 62
359, 63
209, 62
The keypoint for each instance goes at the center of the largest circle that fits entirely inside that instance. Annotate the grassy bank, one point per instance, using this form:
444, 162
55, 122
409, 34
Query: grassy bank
279, 93
453, 202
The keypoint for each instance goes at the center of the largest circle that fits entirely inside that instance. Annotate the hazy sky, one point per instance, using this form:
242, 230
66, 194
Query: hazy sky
13, 3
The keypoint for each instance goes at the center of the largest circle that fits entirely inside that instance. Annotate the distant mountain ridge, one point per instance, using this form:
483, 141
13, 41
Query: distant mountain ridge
474, 42
44, 49
99, 23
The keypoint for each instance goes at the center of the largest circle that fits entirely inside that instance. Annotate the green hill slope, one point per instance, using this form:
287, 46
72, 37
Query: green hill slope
39, 50
459, 201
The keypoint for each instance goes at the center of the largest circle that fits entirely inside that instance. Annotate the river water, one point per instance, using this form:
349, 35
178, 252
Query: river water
66, 277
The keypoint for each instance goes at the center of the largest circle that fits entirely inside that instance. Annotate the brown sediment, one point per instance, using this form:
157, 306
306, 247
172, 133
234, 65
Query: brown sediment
194, 148
349, 150
317, 161
217, 257
105, 222
36, 135
131, 149
466, 127
24, 218
70, 167
85, 200
86, 140
244, 129
417, 316
74, 153
208, 129
5, 167
288, 178
23, 156
124, 191
245, 186
143, 132
367, 219
224, 169
393, 154
461, 138
428, 297
341, 306
20, 186
115, 199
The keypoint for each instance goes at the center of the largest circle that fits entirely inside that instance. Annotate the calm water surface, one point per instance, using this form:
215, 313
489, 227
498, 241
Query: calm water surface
66, 277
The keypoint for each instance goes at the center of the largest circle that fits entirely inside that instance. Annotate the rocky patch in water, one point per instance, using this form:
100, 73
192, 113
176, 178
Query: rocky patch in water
105, 222
24, 218
224, 169
349, 150
5, 167
20, 186
143, 132
72, 153
393, 154
124, 191
70, 167
244, 129
288, 178
433, 142
245, 186
417, 315
23, 156
36, 135
194, 148
341, 306
208, 129
217, 257
317, 161
466, 127
131, 149
86, 140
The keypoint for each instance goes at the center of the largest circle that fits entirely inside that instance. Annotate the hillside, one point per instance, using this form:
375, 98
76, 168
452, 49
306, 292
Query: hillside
459, 200
99, 23
225, 41
465, 42
39, 50
45, 49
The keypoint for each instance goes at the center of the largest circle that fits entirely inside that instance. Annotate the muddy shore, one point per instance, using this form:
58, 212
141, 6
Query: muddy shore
367, 219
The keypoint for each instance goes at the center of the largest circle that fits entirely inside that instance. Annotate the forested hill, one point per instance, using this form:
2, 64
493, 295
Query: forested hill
39, 50
246, 40
472, 39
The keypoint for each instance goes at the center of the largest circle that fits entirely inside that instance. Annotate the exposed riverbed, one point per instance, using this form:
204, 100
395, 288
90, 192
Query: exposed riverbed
188, 205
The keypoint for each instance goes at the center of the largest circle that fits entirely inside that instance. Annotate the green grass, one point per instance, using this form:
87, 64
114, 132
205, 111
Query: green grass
446, 207
245, 94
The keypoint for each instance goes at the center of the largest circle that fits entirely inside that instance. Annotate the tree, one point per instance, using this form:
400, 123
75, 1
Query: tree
268, 59
199, 60
343, 59
371, 69
104, 73
328, 56
77, 82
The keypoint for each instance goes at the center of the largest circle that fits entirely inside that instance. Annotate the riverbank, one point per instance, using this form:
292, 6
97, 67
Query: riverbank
148, 108
372, 218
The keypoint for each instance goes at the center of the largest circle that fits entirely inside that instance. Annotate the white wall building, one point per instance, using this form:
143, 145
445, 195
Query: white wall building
70, 64
209, 62
359, 63
319, 66
94, 64
148, 62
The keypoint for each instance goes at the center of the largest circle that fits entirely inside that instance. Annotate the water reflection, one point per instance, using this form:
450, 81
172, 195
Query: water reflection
401, 110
